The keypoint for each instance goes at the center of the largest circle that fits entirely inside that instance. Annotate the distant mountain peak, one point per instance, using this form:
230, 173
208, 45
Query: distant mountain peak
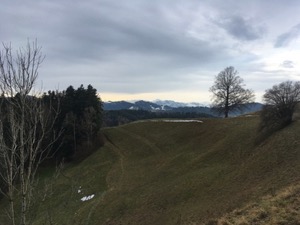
175, 104
172, 106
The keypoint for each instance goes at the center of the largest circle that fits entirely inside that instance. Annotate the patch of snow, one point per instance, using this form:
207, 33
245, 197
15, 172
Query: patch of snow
250, 115
197, 104
133, 108
79, 190
175, 104
174, 121
86, 198
183, 121
169, 121
155, 108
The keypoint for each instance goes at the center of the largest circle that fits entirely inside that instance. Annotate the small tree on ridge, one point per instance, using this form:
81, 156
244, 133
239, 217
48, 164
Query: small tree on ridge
280, 102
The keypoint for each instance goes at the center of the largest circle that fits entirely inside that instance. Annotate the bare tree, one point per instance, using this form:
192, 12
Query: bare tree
25, 125
228, 92
280, 103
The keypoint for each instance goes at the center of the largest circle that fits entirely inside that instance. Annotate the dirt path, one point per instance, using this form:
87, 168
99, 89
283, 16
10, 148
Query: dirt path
121, 157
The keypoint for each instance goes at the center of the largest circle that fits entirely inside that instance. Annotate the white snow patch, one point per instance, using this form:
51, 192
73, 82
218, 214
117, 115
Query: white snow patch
175, 121
248, 115
182, 121
170, 121
153, 108
79, 190
133, 108
86, 198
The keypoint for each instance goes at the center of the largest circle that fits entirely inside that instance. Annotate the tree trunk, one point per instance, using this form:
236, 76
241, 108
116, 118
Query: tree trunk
226, 110
22, 166
226, 114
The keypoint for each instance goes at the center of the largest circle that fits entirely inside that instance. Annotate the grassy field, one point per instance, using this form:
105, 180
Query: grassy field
163, 173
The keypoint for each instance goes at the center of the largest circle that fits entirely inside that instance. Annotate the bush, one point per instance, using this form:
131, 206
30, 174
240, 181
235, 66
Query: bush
281, 101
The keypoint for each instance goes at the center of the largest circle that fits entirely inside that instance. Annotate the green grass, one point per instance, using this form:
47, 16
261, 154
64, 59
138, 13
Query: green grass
171, 173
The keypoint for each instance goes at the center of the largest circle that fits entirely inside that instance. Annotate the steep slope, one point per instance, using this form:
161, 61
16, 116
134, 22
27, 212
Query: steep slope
171, 173
282, 207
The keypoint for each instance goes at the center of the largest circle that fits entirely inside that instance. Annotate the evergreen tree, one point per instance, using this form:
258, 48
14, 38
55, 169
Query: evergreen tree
80, 118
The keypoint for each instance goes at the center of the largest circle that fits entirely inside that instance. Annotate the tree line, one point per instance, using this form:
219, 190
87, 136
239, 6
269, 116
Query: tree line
79, 120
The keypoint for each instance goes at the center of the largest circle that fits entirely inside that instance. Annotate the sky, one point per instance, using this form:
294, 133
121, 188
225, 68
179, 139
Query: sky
158, 49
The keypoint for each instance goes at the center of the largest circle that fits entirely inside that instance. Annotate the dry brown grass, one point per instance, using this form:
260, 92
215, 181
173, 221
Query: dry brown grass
283, 208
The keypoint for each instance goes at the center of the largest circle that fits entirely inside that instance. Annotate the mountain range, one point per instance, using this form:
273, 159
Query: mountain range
172, 106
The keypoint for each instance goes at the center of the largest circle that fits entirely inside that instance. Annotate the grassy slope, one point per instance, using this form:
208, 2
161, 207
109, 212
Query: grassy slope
172, 173
281, 208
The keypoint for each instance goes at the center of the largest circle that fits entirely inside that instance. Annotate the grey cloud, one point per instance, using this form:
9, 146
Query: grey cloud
240, 28
133, 48
128, 46
287, 64
94, 34
80, 31
284, 39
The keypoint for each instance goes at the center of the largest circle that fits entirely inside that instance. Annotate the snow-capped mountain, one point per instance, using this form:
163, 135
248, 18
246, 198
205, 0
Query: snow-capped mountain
174, 104
156, 105
138, 105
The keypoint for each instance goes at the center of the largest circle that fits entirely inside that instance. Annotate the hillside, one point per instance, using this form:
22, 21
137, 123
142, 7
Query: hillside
165, 173
278, 208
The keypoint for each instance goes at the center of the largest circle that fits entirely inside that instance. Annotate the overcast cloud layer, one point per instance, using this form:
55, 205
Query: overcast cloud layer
167, 49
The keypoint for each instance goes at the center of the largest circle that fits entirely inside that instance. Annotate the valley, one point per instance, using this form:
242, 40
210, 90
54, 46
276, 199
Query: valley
171, 173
